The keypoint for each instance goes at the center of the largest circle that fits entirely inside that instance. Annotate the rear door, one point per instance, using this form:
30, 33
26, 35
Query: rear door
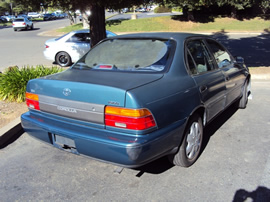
78, 45
233, 74
210, 81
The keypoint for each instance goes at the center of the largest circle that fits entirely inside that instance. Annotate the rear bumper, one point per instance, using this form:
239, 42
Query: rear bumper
96, 142
19, 27
49, 55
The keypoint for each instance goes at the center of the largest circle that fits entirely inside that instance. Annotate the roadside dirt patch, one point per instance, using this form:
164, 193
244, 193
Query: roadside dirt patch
10, 111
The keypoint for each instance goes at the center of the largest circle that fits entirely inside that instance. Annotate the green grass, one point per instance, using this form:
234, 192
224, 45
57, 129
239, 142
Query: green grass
70, 28
168, 24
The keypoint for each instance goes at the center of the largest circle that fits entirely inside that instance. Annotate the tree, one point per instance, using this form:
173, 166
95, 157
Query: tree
264, 5
97, 9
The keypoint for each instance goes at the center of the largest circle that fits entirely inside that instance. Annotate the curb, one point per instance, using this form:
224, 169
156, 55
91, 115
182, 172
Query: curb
10, 132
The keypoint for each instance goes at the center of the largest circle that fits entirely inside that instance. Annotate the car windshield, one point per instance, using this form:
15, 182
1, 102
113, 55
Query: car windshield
128, 55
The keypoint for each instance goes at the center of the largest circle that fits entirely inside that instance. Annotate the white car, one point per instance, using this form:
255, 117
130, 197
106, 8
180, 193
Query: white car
70, 47
34, 15
22, 23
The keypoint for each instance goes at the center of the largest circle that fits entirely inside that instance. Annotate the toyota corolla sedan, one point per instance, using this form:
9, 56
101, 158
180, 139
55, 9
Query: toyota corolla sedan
135, 98
70, 47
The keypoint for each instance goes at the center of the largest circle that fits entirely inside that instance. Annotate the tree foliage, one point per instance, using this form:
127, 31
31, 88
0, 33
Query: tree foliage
97, 9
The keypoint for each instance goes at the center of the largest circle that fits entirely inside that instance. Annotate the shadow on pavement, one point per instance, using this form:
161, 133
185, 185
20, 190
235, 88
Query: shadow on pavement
261, 194
11, 136
254, 49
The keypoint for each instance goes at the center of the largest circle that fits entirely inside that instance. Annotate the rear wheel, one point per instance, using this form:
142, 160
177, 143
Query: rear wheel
15, 30
32, 26
63, 59
191, 145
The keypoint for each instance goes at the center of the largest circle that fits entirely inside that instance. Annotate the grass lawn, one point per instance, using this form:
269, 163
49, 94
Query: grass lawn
167, 23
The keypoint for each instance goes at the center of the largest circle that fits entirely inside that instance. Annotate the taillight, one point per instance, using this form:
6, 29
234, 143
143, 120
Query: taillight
46, 46
134, 119
24, 23
32, 101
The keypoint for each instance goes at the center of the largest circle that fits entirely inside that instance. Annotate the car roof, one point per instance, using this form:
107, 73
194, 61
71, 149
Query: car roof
178, 36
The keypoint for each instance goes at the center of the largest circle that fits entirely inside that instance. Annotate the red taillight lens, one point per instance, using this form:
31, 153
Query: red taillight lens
32, 101
46, 46
134, 119
24, 23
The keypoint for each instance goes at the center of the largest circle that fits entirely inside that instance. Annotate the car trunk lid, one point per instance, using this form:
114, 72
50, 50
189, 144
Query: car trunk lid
83, 95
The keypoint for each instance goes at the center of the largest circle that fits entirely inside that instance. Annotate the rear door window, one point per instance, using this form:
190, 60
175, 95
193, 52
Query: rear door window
78, 38
198, 57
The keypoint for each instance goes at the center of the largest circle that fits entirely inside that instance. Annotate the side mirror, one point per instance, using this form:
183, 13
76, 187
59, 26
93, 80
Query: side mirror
239, 60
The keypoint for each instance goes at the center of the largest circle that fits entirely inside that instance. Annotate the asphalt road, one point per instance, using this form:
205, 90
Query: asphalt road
24, 48
235, 164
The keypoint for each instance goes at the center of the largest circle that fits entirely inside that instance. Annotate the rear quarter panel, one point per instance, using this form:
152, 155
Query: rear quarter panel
170, 99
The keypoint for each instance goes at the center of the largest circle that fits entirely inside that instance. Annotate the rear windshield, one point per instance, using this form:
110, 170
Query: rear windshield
18, 20
128, 55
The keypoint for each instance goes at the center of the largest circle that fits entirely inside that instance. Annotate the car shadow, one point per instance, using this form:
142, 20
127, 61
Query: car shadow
163, 164
254, 49
28, 30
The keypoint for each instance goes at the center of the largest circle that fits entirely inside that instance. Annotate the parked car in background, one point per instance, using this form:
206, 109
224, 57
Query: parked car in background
125, 10
34, 15
3, 19
135, 98
23, 16
22, 23
70, 47
9, 18
48, 16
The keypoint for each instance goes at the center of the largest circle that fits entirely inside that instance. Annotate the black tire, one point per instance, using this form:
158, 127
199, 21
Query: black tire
244, 99
32, 26
15, 30
63, 59
191, 145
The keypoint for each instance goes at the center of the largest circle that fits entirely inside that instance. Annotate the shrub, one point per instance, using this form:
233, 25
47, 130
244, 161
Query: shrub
13, 81
162, 9
177, 9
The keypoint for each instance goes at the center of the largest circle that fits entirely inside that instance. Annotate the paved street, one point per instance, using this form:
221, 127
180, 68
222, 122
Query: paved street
26, 47
235, 163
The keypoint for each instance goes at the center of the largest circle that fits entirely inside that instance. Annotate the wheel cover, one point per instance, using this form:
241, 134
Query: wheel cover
63, 59
193, 140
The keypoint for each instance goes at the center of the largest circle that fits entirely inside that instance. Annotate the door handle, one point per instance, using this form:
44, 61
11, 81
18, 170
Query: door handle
203, 88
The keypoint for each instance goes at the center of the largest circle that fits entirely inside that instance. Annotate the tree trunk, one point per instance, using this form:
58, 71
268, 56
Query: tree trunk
234, 12
97, 24
71, 19
85, 20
